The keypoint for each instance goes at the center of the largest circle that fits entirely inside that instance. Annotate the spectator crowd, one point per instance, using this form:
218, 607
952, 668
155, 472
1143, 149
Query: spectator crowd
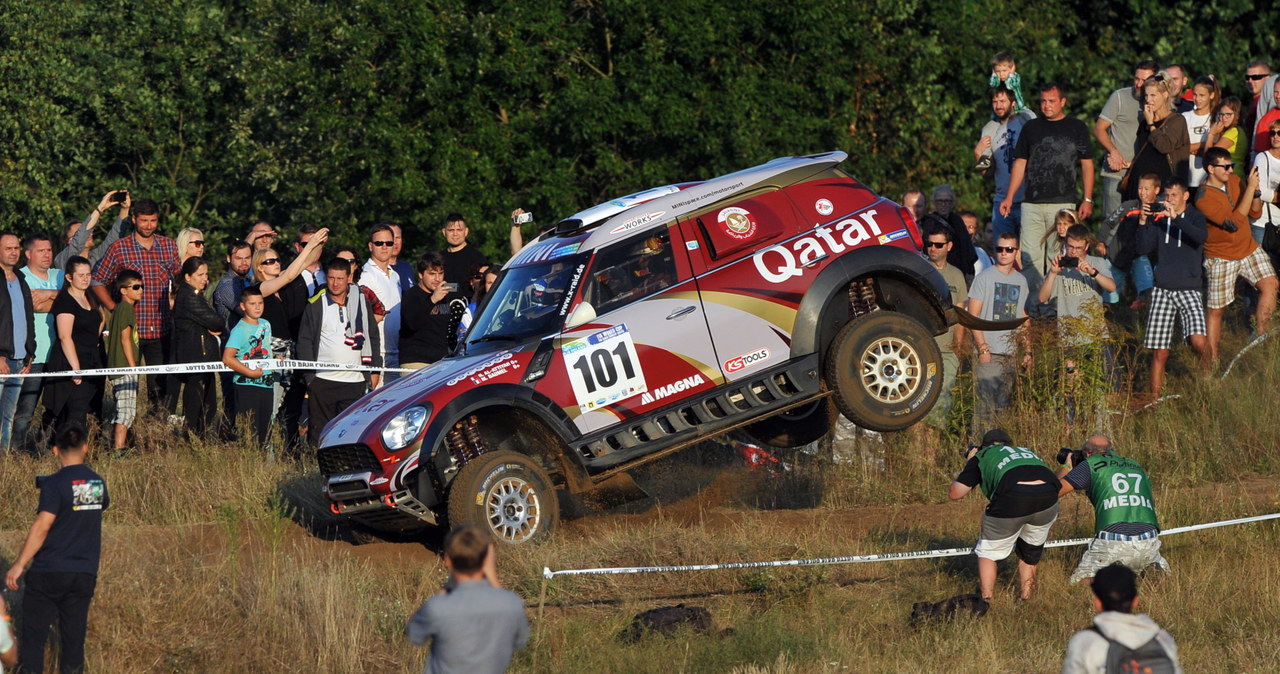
140, 298
1182, 216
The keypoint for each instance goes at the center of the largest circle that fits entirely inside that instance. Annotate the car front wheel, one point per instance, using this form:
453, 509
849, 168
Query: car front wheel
885, 370
507, 495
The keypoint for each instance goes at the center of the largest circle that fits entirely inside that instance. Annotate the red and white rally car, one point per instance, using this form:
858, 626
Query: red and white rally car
762, 300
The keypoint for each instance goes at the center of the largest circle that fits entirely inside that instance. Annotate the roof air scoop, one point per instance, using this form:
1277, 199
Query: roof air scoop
569, 226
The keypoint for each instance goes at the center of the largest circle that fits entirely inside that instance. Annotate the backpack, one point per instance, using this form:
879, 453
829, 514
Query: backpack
1149, 658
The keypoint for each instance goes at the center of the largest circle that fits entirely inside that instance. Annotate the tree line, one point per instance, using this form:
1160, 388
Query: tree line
341, 114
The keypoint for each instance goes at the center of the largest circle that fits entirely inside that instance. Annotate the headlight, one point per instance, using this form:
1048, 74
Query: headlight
404, 428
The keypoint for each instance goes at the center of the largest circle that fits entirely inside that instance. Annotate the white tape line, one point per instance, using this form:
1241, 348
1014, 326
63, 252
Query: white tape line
185, 368
1256, 341
856, 559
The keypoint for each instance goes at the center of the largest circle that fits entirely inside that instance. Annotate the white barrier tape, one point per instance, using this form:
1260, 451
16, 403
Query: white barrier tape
548, 574
1256, 341
185, 368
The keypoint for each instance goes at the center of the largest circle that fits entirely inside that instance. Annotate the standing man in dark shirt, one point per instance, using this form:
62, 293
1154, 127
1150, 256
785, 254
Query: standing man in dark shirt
429, 316
17, 334
1024, 503
459, 256
1046, 156
60, 556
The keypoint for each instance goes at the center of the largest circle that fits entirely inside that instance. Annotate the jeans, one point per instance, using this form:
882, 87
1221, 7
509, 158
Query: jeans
1005, 225
27, 400
50, 595
994, 386
156, 352
10, 389
1142, 274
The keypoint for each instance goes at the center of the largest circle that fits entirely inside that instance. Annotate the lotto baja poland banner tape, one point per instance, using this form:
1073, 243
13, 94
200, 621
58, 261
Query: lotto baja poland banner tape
855, 559
186, 368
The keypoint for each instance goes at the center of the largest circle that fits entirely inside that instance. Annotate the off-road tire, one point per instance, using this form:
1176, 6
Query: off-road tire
796, 427
507, 495
885, 371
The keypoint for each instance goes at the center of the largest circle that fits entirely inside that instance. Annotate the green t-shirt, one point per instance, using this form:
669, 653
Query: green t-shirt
1120, 492
122, 317
996, 460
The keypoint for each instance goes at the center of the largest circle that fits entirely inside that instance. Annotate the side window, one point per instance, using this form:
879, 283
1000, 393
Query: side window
631, 270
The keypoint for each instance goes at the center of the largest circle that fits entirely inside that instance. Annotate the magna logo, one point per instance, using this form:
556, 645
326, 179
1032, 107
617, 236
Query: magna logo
746, 360
670, 389
790, 259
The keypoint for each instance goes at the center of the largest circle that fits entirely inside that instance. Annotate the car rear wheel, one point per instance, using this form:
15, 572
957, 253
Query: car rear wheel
507, 495
885, 370
796, 427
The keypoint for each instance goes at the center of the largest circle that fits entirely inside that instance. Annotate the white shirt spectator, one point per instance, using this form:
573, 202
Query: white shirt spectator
386, 285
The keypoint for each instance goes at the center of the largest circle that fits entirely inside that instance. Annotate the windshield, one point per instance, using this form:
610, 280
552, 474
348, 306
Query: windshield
529, 301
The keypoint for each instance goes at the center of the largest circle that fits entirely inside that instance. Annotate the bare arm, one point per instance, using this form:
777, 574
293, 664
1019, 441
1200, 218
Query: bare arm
42, 300
35, 540
229, 359
104, 296
305, 259
65, 324
958, 491
517, 236
1016, 174
1086, 207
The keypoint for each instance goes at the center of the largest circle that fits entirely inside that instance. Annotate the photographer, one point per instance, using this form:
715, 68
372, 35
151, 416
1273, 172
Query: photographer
1024, 503
1125, 523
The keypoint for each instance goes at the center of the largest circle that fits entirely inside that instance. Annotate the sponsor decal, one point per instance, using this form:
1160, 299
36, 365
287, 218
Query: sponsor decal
637, 221
706, 195
892, 236
573, 288
498, 362
567, 249
737, 222
823, 207
672, 389
603, 368
380, 480
691, 245
746, 360
784, 261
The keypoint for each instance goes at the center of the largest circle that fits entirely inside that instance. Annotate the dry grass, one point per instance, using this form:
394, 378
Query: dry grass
219, 559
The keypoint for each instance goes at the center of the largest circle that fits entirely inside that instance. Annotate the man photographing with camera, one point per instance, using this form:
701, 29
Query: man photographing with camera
1024, 503
1125, 526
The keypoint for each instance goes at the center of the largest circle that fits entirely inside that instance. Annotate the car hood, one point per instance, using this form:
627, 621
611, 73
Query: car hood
371, 413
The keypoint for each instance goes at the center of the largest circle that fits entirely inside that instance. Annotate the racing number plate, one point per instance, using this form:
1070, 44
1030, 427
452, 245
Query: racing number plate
603, 368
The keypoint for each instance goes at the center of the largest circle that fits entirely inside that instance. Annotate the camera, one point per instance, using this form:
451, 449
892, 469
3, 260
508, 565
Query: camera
971, 448
119, 196
1157, 207
1069, 262
1076, 455
40, 481
524, 218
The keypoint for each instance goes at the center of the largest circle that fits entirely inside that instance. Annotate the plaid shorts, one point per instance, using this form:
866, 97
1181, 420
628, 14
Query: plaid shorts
1136, 552
1165, 306
1222, 275
125, 390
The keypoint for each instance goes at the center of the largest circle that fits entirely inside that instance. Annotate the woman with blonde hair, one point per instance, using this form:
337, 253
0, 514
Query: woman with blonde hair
190, 244
1163, 143
1055, 240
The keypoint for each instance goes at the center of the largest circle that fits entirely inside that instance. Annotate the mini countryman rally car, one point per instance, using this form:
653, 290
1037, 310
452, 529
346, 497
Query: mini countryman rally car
763, 300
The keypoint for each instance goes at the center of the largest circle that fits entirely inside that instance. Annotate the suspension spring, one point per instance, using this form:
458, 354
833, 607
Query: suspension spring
862, 297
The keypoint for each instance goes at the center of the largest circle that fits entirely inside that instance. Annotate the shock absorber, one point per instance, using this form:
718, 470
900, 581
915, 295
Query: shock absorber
464, 441
862, 297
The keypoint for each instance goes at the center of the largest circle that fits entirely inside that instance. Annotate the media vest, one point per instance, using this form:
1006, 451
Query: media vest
1120, 492
996, 460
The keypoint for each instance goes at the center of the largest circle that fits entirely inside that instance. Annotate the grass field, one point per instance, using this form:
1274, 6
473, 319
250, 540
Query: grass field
218, 559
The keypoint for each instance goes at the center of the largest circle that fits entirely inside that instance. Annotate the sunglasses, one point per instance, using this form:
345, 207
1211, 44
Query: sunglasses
382, 244
1275, 133
136, 286
1255, 78
196, 243
936, 244
1224, 166
271, 260
1006, 249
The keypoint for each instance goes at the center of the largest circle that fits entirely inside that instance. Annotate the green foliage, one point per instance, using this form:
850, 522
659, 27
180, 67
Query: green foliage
342, 114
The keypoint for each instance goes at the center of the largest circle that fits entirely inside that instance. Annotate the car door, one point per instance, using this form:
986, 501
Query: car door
647, 345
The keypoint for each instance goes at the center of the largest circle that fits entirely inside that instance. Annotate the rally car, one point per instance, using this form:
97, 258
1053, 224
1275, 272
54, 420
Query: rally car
764, 300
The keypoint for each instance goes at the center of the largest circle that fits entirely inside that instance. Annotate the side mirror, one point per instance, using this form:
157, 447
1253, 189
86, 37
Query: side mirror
583, 313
